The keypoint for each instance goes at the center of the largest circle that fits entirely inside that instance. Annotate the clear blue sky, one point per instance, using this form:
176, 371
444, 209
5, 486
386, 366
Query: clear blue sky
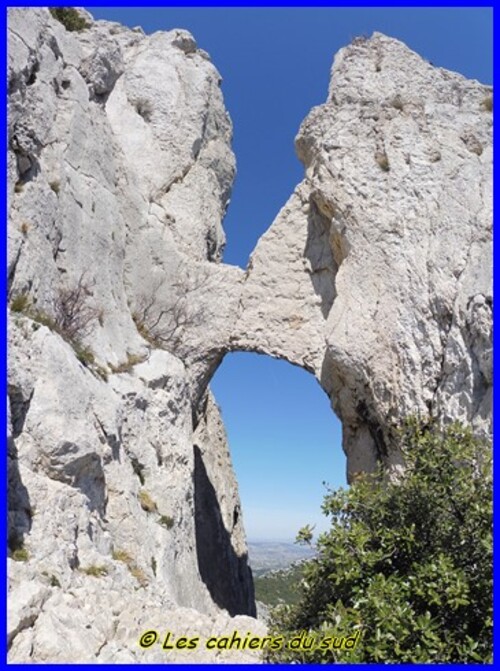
275, 64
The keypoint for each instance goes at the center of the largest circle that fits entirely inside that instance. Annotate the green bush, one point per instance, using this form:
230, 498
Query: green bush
408, 565
83, 354
487, 104
166, 521
95, 571
20, 554
383, 161
20, 303
147, 502
135, 570
70, 18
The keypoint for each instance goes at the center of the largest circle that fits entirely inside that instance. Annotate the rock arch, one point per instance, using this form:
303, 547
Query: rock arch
375, 277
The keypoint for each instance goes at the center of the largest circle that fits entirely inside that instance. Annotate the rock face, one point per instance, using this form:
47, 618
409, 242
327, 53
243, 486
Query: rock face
120, 170
375, 277
377, 274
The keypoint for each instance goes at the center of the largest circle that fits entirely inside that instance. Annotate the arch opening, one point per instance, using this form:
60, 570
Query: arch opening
285, 446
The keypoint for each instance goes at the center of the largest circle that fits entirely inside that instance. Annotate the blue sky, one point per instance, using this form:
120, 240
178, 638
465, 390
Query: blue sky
275, 64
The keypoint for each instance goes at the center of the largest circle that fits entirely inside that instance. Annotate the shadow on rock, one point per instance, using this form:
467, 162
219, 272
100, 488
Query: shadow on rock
226, 575
323, 265
19, 506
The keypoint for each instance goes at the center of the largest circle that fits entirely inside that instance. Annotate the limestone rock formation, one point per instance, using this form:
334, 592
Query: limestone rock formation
377, 273
375, 277
120, 170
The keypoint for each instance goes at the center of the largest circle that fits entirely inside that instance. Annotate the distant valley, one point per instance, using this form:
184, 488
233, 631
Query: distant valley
277, 571
268, 556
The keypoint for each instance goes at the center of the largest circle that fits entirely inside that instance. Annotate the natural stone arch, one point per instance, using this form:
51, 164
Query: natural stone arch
364, 279
398, 164
221, 544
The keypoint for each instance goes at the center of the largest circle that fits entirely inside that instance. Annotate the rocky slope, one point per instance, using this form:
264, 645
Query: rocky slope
375, 277
122, 495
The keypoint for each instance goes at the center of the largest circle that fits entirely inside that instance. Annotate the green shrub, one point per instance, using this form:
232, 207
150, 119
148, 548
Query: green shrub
166, 521
408, 565
70, 18
122, 555
147, 502
135, 571
128, 365
95, 571
43, 318
83, 354
55, 185
383, 161
52, 579
20, 303
20, 554
487, 104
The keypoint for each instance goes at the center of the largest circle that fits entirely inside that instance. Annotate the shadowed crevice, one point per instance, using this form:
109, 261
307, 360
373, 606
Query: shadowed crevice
227, 575
19, 507
319, 253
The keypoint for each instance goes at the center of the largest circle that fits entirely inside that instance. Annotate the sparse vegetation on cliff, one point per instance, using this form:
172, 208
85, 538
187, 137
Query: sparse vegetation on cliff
95, 571
383, 161
71, 19
408, 564
20, 554
166, 521
147, 502
162, 325
19, 303
135, 570
72, 317
126, 366
487, 104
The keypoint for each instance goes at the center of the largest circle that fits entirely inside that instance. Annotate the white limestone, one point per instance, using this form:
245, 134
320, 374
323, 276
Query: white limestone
375, 277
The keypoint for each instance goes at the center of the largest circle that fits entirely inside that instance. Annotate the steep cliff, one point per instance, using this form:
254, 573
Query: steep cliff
122, 498
377, 274
375, 277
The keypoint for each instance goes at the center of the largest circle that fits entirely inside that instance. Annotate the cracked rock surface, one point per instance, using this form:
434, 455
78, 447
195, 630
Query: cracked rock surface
124, 512
377, 273
120, 170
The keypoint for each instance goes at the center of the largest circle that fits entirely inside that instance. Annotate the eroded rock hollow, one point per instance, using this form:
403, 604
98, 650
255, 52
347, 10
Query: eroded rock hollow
375, 277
